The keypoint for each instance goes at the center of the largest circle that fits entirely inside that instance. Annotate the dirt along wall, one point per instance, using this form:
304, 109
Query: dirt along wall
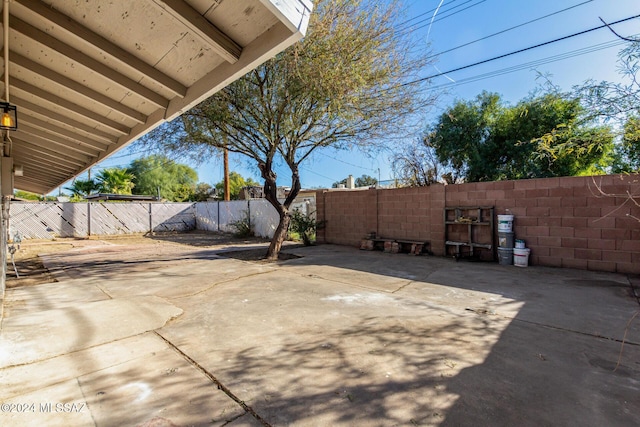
590, 223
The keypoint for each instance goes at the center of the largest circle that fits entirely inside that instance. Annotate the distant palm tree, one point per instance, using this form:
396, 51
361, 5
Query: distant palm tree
81, 188
115, 181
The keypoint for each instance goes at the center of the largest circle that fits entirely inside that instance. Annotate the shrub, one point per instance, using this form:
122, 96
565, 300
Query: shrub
243, 226
305, 226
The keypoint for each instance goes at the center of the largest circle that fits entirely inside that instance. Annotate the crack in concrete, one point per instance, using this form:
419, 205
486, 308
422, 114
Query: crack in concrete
225, 389
588, 334
104, 291
84, 396
230, 420
634, 290
208, 288
404, 286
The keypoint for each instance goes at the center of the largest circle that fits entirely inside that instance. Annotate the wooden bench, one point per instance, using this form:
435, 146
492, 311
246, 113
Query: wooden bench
413, 247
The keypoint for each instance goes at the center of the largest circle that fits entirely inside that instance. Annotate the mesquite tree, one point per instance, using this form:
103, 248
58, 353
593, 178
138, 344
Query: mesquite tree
343, 86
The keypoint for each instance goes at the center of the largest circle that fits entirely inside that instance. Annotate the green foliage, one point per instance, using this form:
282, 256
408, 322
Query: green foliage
341, 87
82, 188
366, 181
203, 192
26, 195
242, 226
627, 154
619, 104
339, 183
541, 136
177, 182
236, 183
115, 181
304, 225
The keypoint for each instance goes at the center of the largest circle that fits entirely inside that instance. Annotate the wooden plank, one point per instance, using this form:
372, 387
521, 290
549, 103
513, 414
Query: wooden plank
222, 44
116, 53
86, 61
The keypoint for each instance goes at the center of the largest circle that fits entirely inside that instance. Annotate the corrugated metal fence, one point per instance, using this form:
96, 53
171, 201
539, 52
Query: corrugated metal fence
46, 219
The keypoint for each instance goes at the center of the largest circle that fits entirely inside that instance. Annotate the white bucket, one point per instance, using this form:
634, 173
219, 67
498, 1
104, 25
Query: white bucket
521, 257
505, 223
520, 244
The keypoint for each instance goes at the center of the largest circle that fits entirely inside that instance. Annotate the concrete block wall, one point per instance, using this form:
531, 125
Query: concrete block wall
405, 213
348, 216
590, 223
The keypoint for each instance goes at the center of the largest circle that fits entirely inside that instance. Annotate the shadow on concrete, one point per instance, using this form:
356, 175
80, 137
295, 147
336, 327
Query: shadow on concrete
200, 238
430, 342
559, 361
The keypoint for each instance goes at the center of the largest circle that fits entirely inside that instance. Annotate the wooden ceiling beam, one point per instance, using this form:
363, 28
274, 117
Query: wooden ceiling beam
77, 57
222, 44
116, 54
68, 105
75, 87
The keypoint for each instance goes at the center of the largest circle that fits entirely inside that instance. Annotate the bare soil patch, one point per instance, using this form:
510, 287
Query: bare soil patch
200, 238
257, 255
29, 265
32, 271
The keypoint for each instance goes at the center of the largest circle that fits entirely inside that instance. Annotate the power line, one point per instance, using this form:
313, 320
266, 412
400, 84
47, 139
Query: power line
401, 24
406, 30
512, 28
320, 175
530, 64
475, 64
346, 163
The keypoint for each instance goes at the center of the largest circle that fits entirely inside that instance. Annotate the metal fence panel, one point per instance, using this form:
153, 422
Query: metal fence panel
231, 212
264, 218
173, 216
119, 218
207, 216
46, 220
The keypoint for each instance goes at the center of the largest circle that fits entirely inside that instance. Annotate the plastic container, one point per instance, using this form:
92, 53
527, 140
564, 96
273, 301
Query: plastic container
521, 257
505, 223
505, 240
505, 256
520, 244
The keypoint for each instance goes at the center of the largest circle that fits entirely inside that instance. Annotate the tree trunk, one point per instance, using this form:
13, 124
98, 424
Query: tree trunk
271, 194
278, 237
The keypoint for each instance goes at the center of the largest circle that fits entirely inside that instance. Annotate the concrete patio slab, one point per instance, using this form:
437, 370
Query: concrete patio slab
160, 386
27, 378
60, 405
136, 381
339, 337
49, 296
43, 334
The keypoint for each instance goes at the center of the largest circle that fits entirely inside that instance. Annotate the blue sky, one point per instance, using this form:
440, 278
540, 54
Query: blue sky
459, 22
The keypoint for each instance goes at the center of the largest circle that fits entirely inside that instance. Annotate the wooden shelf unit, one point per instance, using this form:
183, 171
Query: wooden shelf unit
471, 217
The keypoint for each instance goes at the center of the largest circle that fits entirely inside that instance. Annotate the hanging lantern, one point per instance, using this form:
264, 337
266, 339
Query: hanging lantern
9, 118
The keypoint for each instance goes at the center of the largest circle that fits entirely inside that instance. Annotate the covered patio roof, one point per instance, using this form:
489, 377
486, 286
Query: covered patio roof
90, 76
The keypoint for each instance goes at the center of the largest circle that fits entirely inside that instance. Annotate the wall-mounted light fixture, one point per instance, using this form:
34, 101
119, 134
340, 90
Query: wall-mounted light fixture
9, 117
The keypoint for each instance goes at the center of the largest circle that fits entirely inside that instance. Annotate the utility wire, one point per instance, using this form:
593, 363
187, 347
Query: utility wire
531, 64
346, 163
512, 28
320, 175
428, 12
475, 64
408, 29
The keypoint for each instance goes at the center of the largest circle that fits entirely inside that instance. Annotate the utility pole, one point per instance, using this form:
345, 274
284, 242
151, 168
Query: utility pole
227, 195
